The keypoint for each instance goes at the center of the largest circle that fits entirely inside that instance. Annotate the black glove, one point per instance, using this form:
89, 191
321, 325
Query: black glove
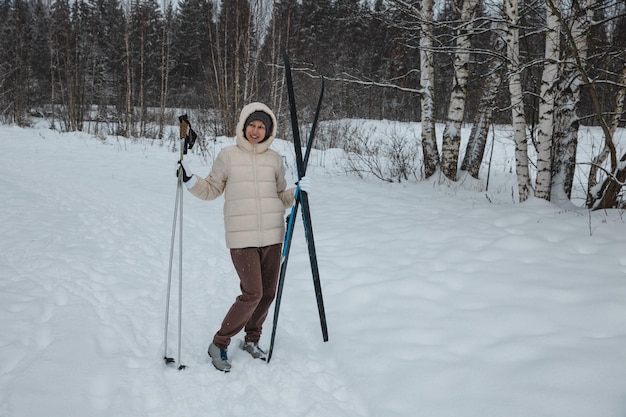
184, 170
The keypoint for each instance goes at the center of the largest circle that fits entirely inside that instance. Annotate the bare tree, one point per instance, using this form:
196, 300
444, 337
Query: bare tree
549, 80
129, 81
427, 83
69, 63
575, 24
52, 51
166, 43
518, 117
281, 33
423, 14
231, 59
475, 149
605, 194
456, 110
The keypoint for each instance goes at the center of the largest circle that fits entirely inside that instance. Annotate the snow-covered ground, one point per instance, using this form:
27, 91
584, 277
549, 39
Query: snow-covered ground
440, 302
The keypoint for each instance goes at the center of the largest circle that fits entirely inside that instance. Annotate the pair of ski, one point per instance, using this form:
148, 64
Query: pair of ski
301, 199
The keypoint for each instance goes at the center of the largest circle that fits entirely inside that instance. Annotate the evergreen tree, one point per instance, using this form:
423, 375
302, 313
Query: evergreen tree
192, 81
146, 37
40, 56
18, 36
5, 60
105, 56
349, 36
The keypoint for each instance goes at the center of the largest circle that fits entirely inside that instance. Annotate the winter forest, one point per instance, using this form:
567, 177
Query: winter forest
543, 68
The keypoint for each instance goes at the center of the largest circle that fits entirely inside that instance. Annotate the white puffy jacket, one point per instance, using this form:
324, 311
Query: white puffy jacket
252, 178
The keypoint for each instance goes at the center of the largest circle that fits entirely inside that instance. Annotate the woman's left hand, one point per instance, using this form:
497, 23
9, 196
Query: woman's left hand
305, 184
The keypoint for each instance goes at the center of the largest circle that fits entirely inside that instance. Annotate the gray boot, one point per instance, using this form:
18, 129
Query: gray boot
254, 350
219, 357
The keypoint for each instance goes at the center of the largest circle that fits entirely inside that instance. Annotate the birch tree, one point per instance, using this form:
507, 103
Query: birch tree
576, 27
549, 80
475, 149
456, 110
518, 117
423, 13
427, 83
607, 180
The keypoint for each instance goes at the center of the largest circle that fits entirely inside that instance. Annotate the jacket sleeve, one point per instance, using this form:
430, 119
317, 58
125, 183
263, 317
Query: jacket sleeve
285, 194
288, 197
213, 185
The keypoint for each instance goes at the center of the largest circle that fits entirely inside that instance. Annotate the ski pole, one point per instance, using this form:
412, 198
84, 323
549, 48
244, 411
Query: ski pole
167, 359
187, 140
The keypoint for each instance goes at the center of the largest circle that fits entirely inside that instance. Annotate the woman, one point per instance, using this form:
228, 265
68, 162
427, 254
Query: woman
252, 178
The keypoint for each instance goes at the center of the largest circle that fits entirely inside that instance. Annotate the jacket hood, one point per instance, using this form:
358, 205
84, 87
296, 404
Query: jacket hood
247, 111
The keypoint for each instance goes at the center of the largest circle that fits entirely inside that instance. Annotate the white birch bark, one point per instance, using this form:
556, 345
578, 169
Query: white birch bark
517, 104
423, 12
452, 131
427, 81
475, 149
546, 105
566, 133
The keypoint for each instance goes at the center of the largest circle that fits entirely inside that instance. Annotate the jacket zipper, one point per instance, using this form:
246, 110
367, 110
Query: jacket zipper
257, 196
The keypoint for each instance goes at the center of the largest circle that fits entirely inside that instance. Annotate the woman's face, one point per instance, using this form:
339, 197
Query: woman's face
255, 131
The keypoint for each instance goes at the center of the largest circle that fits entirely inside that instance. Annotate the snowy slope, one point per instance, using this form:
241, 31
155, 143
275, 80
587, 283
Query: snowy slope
439, 303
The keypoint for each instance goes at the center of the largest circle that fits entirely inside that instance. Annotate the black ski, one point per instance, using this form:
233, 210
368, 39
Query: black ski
301, 199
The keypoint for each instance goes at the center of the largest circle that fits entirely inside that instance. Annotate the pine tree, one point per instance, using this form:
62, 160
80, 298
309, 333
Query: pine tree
192, 82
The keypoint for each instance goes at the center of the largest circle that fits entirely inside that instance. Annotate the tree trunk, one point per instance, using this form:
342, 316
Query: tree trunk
69, 82
546, 106
474, 152
165, 68
452, 131
566, 132
518, 117
142, 91
427, 81
129, 85
51, 49
605, 194
611, 188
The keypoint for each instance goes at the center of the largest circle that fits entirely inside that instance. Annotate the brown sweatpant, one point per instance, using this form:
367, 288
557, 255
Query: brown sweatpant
258, 270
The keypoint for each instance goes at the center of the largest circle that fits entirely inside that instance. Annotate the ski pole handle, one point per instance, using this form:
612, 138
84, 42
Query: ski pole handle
184, 124
186, 133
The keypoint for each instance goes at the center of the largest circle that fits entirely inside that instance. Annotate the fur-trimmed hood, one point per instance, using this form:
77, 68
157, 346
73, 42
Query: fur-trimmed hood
240, 131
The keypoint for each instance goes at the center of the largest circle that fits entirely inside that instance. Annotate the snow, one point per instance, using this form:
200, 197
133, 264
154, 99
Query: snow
440, 301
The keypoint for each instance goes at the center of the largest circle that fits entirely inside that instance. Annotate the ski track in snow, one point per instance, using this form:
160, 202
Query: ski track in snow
437, 305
